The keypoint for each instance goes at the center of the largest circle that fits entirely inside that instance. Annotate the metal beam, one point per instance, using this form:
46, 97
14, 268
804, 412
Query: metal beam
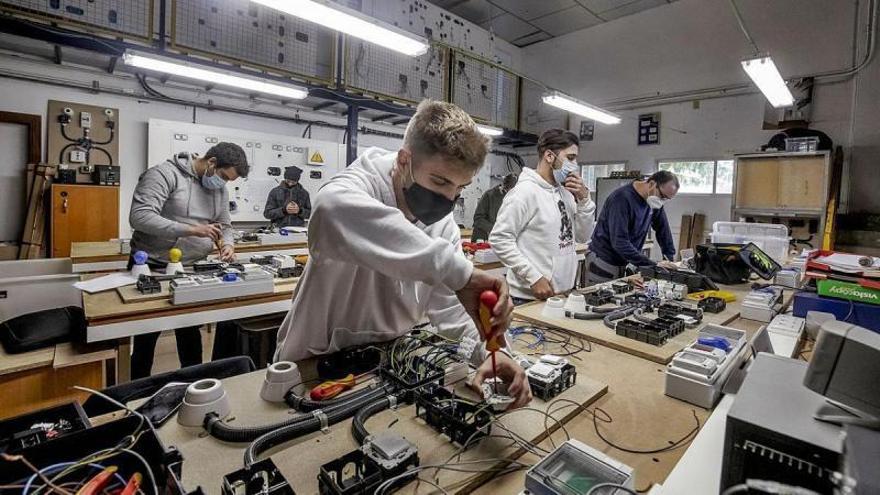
400, 121
58, 57
384, 116
323, 105
351, 145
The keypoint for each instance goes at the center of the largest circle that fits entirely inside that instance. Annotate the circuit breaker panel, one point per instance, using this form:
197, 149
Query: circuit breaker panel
267, 154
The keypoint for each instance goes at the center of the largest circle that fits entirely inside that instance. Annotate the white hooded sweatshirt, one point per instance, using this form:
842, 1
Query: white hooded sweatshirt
372, 274
536, 231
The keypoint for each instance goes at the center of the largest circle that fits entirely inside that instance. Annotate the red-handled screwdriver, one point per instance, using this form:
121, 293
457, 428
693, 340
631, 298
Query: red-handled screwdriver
488, 300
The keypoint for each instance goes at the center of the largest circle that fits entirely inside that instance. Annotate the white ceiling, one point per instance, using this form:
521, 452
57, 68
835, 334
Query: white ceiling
523, 22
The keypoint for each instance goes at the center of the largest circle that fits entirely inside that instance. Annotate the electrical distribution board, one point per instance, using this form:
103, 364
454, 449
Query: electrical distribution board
267, 154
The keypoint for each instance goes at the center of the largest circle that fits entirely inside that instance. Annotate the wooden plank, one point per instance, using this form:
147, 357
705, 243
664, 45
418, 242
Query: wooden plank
684, 235
35, 223
596, 331
68, 354
698, 229
94, 252
757, 183
802, 182
210, 459
14, 363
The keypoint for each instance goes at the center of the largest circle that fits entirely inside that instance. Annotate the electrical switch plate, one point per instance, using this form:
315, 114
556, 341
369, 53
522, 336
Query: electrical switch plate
77, 156
85, 120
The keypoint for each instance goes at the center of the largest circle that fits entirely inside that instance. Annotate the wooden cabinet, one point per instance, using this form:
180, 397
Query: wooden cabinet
83, 213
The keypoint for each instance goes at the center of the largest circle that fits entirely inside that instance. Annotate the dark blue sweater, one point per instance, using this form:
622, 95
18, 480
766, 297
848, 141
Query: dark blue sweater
623, 226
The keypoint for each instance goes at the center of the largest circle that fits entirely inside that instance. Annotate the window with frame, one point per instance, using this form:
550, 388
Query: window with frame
701, 176
591, 171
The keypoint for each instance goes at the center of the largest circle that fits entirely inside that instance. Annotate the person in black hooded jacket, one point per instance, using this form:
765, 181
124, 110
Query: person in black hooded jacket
288, 205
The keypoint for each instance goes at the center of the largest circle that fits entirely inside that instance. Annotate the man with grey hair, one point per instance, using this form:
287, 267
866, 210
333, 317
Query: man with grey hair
385, 252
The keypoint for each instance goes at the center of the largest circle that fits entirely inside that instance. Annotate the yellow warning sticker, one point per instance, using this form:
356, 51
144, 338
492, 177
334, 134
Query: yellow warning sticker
316, 157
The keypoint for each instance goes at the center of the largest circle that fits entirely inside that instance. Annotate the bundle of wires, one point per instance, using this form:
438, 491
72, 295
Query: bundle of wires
60, 477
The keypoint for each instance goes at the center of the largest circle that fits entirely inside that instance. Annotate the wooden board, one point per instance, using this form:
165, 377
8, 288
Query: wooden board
46, 386
131, 295
14, 363
208, 459
684, 235
596, 331
698, 229
757, 183
802, 182
94, 252
99, 132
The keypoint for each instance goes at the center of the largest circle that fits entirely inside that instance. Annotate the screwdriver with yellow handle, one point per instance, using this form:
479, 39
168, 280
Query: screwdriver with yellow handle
332, 388
488, 300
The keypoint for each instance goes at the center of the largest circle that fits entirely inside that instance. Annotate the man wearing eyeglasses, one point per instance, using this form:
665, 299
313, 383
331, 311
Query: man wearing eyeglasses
623, 225
542, 218
183, 203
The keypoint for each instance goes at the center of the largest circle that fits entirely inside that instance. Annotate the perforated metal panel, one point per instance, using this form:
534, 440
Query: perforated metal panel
383, 72
244, 32
128, 17
484, 90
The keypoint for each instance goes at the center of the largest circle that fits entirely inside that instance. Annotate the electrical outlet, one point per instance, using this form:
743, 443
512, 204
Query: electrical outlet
86, 169
77, 156
85, 120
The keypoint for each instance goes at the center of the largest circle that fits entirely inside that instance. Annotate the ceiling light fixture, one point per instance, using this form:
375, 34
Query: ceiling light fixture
567, 103
220, 77
766, 76
351, 23
490, 131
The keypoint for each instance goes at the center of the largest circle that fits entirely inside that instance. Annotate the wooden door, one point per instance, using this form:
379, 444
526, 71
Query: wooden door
83, 213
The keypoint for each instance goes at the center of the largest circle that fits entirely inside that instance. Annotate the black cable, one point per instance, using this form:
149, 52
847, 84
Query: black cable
64, 133
108, 141
296, 430
228, 433
358, 423
671, 446
617, 315
305, 404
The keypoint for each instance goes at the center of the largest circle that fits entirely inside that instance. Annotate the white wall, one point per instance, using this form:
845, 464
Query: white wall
696, 44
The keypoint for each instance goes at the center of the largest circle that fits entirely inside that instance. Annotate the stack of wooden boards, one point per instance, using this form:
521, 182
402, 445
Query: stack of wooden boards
39, 180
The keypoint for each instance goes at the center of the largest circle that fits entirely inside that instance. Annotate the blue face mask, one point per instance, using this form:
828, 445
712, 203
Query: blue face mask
213, 182
568, 167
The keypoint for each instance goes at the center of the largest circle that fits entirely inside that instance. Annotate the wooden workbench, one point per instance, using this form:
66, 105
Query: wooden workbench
207, 459
596, 331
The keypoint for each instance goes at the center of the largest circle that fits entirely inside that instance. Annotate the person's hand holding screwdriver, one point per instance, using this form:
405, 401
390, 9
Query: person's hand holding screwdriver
209, 230
469, 296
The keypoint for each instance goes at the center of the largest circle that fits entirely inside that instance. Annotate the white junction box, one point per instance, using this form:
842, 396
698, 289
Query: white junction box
762, 305
785, 332
575, 464
234, 283
697, 373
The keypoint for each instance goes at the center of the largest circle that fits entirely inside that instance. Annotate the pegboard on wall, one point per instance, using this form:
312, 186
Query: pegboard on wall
267, 154
81, 136
426, 19
535, 116
133, 18
486, 91
378, 71
244, 32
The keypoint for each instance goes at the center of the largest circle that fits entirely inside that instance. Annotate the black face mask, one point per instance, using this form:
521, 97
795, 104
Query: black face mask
426, 205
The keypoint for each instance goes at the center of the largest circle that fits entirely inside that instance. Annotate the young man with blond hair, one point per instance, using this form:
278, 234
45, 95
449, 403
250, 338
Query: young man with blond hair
385, 251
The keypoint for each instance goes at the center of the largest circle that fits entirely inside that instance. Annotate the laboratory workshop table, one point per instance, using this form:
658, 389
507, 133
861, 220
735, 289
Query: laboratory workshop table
105, 256
206, 459
645, 419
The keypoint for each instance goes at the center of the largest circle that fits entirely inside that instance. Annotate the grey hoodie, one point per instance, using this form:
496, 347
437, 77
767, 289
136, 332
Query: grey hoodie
167, 200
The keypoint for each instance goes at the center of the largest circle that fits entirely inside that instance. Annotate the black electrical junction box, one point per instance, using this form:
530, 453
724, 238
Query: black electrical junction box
349, 361
106, 175
461, 421
262, 260
646, 302
413, 378
208, 266
165, 463
599, 297
643, 332
147, 284
290, 272
31, 429
621, 287
671, 310
712, 304
548, 389
263, 478
337, 478
250, 237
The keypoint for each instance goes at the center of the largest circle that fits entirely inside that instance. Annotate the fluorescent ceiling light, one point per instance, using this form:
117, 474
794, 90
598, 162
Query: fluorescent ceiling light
352, 23
214, 76
586, 110
766, 76
489, 130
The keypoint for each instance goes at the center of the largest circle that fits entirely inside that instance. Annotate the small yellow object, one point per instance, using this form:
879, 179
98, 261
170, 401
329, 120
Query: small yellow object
722, 294
174, 255
301, 259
